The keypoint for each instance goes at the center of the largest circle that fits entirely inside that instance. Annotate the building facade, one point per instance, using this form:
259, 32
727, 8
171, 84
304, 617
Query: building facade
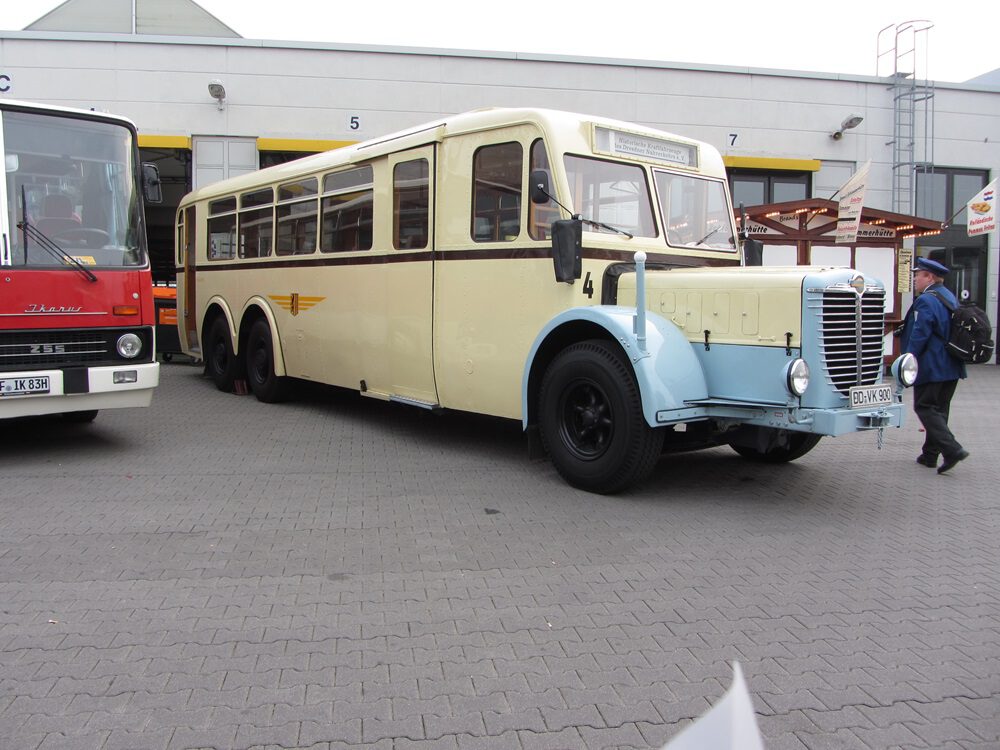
210, 104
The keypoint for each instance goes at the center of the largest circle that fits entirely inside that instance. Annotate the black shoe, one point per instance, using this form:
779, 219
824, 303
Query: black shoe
924, 460
949, 463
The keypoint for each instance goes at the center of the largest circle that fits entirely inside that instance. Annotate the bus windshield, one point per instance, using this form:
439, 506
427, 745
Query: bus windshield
70, 192
694, 211
612, 193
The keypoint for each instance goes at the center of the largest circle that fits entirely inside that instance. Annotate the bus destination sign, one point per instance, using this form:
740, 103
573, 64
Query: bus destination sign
635, 145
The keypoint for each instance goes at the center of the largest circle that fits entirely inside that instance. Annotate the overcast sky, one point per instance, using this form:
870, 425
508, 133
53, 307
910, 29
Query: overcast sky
786, 34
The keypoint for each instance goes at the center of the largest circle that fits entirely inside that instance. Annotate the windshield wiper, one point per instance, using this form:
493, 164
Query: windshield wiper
46, 244
602, 225
709, 234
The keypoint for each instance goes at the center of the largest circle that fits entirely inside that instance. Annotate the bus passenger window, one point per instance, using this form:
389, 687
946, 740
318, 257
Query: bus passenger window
540, 217
256, 227
347, 211
496, 190
410, 205
297, 217
222, 229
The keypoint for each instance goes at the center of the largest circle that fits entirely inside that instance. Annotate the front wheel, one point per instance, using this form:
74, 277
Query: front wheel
591, 421
221, 363
771, 446
266, 386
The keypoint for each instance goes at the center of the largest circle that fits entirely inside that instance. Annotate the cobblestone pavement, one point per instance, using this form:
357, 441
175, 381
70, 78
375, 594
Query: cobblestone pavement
335, 572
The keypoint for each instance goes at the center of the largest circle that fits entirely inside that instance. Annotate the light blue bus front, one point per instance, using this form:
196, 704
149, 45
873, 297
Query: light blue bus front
828, 380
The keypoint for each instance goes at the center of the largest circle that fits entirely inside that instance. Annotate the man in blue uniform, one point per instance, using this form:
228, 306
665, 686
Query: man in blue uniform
925, 332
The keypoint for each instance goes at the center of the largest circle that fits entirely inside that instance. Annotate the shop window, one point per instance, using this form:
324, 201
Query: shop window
942, 195
758, 187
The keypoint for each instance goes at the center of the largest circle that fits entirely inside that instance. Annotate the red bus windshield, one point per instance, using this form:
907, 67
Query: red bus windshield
71, 193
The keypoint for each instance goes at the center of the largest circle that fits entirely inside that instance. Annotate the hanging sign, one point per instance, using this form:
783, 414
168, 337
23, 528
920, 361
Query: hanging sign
852, 200
904, 270
981, 211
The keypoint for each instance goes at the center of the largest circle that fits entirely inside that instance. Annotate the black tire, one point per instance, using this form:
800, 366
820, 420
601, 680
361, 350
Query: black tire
591, 422
266, 386
795, 445
221, 363
79, 417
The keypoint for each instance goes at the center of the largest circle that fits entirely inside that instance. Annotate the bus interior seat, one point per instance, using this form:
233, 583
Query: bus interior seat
57, 215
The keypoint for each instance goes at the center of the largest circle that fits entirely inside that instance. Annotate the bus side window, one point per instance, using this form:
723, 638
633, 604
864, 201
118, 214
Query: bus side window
296, 217
222, 229
540, 217
496, 192
410, 205
256, 223
346, 219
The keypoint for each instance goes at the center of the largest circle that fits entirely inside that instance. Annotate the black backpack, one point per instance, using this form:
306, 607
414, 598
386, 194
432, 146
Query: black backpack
970, 338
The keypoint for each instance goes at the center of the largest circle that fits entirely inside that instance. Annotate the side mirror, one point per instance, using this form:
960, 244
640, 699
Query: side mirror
753, 253
540, 193
567, 244
152, 189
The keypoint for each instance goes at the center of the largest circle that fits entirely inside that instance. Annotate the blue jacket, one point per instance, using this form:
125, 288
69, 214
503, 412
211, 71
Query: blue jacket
925, 331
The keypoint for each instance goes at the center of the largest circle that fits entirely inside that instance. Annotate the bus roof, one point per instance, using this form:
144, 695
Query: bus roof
83, 114
437, 130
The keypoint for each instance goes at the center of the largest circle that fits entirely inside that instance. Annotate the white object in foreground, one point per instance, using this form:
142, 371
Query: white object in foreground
729, 725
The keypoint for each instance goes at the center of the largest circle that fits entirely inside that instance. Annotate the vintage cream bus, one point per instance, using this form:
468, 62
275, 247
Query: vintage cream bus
491, 261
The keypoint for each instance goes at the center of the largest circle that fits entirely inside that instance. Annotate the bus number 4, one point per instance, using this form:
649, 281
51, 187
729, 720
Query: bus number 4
588, 286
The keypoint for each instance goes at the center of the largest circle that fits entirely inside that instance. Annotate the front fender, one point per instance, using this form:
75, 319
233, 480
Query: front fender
668, 372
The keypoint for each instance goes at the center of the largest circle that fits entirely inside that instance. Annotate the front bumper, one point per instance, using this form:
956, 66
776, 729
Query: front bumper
831, 422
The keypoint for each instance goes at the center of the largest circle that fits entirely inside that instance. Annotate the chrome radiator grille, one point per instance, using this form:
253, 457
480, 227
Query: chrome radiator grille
87, 347
851, 331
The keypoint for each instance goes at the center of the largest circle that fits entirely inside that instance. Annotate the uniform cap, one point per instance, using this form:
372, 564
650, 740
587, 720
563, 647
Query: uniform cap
931, 266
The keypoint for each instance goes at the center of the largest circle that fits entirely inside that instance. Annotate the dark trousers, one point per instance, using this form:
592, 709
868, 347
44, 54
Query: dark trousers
932, 403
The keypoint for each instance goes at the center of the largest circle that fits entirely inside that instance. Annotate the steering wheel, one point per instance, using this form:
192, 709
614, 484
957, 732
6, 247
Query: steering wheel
85, 235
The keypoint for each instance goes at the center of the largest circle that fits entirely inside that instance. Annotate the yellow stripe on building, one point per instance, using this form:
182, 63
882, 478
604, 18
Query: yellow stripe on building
766, 162
299, 144
164, 141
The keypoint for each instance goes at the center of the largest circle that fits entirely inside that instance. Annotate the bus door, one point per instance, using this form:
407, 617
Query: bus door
186, 303
408, 274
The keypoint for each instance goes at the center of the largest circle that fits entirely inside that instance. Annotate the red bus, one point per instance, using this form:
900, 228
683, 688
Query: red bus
76, 301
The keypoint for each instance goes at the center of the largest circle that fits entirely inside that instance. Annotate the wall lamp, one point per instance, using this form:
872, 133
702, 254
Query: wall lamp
217, 91
851, 121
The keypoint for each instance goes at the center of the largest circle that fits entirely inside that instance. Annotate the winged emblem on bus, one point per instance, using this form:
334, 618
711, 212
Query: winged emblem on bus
295, 302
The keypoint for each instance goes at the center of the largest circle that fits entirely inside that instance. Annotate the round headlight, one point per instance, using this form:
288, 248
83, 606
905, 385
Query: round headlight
798, 377
129, 345
905, 370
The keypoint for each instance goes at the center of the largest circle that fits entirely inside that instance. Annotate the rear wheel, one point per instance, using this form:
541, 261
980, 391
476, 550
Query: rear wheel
221, 363
771, 446
266, 386
591, 420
